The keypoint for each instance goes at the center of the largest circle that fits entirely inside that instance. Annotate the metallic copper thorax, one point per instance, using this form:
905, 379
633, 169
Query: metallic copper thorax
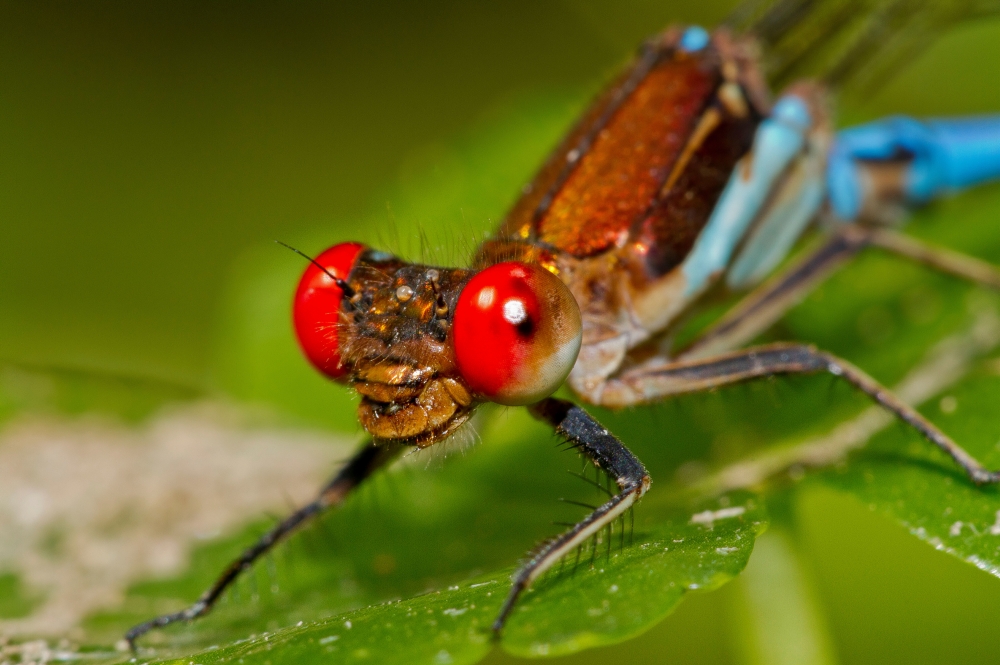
621, 201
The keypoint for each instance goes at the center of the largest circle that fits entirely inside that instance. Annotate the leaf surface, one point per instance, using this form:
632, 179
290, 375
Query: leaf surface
615, 593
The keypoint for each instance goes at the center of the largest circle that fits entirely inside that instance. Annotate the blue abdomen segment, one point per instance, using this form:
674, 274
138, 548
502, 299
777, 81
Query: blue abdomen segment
945, 155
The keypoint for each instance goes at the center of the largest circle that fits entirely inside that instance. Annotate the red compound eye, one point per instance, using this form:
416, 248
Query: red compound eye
517, 333
316, 308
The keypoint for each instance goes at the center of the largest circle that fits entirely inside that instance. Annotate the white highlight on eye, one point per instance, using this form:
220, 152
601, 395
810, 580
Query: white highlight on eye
486, 297
514, 312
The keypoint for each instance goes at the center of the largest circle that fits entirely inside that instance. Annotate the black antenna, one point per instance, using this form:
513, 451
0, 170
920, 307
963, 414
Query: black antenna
344, 287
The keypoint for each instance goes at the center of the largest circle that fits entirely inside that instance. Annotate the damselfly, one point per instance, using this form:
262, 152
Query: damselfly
681, 180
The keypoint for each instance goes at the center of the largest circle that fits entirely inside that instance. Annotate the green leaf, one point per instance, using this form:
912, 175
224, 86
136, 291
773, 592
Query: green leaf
687, 551
899, 477
415, 529
616, 592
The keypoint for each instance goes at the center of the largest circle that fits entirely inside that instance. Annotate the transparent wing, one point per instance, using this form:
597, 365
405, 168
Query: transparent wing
850, 44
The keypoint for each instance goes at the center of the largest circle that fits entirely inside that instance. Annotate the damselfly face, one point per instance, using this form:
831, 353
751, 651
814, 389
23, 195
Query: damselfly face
423, 345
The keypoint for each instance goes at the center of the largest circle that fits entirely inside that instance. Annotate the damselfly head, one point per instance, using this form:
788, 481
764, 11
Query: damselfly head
424, 345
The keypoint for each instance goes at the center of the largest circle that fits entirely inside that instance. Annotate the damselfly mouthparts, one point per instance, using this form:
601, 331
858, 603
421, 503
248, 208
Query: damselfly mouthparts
681, 180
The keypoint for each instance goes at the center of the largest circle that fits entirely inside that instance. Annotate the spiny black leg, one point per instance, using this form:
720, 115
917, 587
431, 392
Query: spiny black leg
369, 458
700, 375
605, 452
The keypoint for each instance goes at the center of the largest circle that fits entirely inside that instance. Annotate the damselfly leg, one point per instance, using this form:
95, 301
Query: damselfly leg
652, 383
762, 307
607, 453
368, 459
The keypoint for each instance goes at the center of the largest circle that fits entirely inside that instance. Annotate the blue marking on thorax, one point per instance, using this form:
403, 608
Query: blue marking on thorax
694, 39
775, 235
777, 141
947, 155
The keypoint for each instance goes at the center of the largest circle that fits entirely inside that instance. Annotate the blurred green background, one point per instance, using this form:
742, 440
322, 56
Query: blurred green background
151, 152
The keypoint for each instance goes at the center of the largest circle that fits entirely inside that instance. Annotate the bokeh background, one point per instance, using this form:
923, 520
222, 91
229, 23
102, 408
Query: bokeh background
151, 152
